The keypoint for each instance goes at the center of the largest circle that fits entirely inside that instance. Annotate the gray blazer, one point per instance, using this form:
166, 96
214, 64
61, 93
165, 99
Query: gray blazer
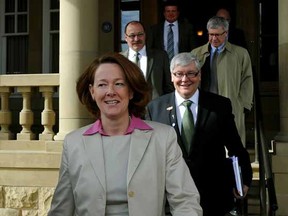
155, 165
158, 72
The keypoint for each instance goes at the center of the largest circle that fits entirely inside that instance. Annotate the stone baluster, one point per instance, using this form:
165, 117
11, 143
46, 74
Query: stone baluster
5, 114
26, 117
48, 114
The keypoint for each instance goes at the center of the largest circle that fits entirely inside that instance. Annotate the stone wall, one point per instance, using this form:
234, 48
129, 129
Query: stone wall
28, 175
25, 201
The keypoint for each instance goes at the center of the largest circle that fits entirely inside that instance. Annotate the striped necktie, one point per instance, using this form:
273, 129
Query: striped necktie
170, 42
137, 59
187, 130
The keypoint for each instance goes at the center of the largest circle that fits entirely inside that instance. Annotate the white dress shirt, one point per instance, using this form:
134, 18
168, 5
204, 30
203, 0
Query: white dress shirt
142, 58
180, 108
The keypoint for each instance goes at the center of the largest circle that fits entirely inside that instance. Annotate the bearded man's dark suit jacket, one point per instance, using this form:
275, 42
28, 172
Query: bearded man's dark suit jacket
187, 36
158, 73
215, 129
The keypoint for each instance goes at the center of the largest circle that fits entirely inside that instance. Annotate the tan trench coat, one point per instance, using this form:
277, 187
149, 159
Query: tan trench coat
235, 79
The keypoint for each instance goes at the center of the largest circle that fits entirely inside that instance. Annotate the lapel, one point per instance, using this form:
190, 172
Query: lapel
172, 116
139, 142
203, 111
150, 62
171, 110
125, 53
202, 119
94, 149
180, 33
161, 38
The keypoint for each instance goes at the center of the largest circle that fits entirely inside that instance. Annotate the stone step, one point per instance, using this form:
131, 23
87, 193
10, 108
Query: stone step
253, 199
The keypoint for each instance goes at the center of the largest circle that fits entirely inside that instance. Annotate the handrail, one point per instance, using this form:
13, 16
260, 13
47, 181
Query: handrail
265, 169
268, 178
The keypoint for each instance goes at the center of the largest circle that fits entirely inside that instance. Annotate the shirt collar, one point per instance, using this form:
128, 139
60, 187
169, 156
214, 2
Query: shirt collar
179, 100
220, 48
142, 52
135, 123
166, 24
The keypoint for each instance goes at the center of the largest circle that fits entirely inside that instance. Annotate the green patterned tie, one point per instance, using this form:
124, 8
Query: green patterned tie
187, 130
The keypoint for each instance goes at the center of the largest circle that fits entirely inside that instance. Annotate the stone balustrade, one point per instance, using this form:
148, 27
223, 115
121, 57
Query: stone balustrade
29, 160
23, 86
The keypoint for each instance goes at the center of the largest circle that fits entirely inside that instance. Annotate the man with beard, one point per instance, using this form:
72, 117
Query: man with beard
153, 63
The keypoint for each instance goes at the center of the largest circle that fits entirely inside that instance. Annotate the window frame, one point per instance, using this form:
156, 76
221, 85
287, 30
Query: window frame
47, 55
4, 35
126, 6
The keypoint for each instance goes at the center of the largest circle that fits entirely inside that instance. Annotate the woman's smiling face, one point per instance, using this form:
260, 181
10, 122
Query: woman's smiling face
111, 91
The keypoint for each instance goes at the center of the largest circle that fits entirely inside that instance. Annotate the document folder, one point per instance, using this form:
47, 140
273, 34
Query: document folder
237, 175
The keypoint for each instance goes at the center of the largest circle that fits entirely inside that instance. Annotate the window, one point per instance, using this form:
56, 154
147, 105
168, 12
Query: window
269, 41
51, 36
14, 41
130, 10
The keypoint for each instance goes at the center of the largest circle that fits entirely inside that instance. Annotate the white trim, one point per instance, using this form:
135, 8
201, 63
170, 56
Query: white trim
47, 32
2, 39
46, 37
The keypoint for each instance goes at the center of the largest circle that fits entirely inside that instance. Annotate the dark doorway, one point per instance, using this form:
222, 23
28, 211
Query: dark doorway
199, 12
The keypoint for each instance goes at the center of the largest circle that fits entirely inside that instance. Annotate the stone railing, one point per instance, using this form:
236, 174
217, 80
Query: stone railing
24, 86
29, 157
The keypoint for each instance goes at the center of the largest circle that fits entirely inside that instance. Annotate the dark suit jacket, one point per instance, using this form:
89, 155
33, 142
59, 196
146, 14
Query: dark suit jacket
237, 36
158, 72
215, 129
187, 37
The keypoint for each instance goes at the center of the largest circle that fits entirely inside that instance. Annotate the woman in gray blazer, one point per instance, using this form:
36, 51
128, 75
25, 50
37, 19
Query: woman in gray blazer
121, 165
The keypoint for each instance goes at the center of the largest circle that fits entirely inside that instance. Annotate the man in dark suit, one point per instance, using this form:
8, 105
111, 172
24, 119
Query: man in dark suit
153, 63
214, 132
235, 35
184, 35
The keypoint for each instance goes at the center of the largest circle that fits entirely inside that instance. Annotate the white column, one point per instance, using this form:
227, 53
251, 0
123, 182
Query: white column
78, 47
280, 158
283, 69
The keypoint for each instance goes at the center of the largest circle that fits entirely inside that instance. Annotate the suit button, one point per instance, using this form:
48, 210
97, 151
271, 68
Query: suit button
131, 193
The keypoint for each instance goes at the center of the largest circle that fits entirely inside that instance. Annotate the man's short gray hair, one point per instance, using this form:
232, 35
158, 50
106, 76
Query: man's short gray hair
183, 59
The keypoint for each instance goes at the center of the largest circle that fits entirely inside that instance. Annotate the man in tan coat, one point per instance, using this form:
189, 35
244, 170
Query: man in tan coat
229, 73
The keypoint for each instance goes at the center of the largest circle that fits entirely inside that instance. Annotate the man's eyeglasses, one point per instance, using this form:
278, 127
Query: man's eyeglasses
216, 35
180, 75
132, 36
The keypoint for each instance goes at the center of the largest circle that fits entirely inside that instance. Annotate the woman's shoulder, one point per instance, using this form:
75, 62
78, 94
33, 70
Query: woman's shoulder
79, 131
158, 126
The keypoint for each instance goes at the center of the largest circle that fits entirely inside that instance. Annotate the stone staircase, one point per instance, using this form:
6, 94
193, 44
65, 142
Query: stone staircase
253, 201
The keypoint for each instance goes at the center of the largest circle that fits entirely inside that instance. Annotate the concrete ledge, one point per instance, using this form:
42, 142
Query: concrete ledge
24, 159
30, 80
279, 164
29, 177
54, 146
28, 145
282, 200
280, 181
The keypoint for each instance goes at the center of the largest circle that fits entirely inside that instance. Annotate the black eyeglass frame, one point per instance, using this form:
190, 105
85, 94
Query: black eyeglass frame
139, 34
216, 35
189, 75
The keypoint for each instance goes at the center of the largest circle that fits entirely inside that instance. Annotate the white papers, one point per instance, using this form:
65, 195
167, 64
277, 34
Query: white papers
237, 175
